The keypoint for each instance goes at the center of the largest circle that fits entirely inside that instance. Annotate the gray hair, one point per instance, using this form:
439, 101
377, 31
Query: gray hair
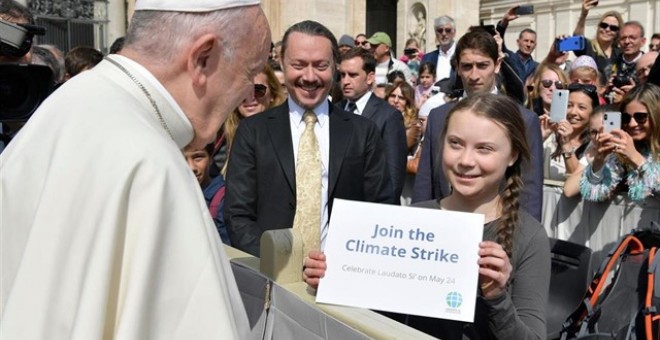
443, 20
162, 34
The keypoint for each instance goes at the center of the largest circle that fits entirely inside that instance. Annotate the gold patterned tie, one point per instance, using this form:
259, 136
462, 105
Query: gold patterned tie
308, 186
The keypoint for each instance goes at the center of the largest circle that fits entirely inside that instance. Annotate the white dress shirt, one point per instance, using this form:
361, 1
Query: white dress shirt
322, 132
360, 103
443, 64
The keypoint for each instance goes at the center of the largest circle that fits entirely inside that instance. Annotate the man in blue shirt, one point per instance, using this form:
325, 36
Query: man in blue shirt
521, 60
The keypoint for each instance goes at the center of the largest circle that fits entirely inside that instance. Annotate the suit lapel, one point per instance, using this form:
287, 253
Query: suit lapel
341, 132
279, 129
371, 107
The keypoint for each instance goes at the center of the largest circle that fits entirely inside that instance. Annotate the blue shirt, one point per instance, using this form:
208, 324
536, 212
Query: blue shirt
524, 67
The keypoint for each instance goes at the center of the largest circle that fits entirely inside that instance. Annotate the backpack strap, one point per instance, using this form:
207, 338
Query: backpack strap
585, 312
215, 201
650, 312
600, 278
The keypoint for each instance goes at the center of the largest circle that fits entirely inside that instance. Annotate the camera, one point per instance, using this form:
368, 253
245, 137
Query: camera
22, 87
621, 81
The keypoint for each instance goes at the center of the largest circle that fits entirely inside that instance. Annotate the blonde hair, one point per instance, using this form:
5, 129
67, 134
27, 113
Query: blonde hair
536, 82
278, 96
648, 95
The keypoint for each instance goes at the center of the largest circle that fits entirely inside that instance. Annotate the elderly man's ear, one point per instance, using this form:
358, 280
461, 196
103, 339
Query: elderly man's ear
202, 58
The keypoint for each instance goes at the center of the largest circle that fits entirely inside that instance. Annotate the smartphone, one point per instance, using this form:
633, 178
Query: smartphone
559, 105
611, 121
525, 10
490, 29
409, 51
574, 43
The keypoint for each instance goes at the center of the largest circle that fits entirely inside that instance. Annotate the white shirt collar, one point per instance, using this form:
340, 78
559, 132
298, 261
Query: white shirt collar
362, 103
322, 111
450, 51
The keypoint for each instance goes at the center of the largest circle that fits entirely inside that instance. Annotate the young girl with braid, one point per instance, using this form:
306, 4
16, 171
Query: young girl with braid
484, 146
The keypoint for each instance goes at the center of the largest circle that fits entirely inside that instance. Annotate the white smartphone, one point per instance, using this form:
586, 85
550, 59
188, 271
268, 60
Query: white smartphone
611, 121
559, 105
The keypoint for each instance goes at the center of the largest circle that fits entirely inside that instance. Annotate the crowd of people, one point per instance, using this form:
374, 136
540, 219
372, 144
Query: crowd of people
270, 144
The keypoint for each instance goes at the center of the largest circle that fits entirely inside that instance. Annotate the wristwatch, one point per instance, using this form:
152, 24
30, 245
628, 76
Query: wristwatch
569, 153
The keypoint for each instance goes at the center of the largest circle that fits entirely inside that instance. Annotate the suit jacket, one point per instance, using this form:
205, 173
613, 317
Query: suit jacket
448, 84
430, 181
431, 57
261, 177
389, 122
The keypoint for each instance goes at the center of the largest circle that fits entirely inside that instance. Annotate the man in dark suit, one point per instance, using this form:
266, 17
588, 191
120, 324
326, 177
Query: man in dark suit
357, 73
261, 178
478, 64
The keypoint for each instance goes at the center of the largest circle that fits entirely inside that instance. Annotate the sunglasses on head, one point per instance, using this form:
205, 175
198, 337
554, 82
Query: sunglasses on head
444, 30
640, 117
613, 28
259, 90
547, 83
361, 43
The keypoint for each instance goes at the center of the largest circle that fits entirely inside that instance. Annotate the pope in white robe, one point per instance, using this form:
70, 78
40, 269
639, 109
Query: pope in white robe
105, 233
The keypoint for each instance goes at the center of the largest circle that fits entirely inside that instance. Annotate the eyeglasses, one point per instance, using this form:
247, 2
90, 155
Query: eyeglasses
444, 30
259, 90
361, 43
547, 83
640, 117
613, 28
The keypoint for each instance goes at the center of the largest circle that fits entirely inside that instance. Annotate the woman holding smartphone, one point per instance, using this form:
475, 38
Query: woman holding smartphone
484, 145
603, 48
628, 157
565, 142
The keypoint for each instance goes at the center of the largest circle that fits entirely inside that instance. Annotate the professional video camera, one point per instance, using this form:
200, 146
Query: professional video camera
22, 87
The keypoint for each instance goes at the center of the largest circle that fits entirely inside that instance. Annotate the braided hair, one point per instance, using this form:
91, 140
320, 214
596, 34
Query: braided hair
506, 113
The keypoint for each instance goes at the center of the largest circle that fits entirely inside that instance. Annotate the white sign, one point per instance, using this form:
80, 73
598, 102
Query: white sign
402, 259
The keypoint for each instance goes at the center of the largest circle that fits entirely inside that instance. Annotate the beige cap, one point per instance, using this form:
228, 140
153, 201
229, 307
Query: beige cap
191, 5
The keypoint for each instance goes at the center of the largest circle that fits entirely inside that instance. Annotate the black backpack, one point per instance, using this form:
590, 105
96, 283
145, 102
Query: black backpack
628, 305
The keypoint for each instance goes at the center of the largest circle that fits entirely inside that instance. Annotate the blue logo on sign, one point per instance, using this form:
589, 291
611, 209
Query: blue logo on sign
454, 299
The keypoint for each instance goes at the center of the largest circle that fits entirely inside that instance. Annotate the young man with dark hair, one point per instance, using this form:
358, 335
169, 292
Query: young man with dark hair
477, 65
357, 76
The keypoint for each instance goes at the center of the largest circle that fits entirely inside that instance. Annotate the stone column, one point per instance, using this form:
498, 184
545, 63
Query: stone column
117, 20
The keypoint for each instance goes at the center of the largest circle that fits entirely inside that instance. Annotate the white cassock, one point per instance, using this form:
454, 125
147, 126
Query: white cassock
104, 230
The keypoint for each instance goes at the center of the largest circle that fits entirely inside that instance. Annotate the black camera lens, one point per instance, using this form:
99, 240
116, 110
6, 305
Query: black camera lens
22, 89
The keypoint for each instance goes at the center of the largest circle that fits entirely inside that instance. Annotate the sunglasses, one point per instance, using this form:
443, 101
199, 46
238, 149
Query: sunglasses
444, 30
640, 117
260, 90
361, 43
547, 83
582, 87
613, 28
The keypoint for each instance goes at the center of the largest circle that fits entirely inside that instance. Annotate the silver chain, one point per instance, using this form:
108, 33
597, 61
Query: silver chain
146, 93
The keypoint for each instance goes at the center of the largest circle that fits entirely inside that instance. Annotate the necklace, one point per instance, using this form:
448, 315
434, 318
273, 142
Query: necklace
146, 93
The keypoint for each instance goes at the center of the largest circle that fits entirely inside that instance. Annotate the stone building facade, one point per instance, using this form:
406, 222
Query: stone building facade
403, 19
